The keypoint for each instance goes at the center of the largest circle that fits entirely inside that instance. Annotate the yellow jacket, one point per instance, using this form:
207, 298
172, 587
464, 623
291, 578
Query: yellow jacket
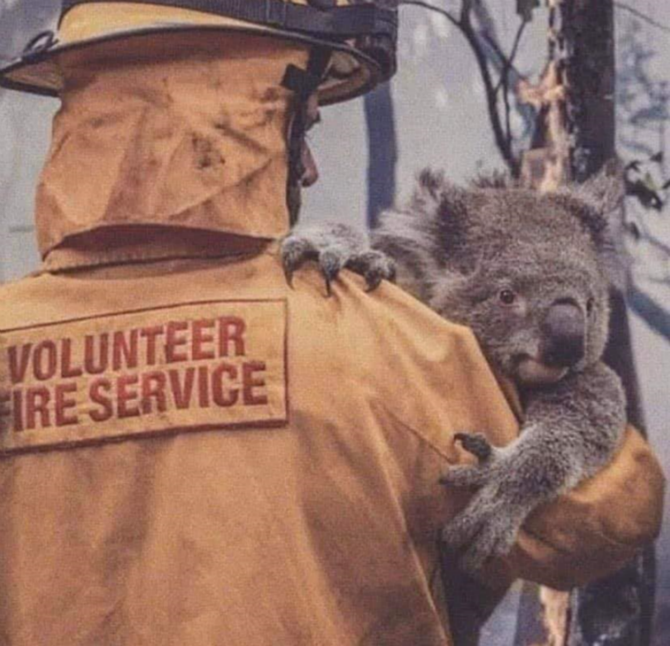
195, 454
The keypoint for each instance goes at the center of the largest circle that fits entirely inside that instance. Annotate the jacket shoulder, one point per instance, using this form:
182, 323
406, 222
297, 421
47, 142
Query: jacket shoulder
20, 298
429, 374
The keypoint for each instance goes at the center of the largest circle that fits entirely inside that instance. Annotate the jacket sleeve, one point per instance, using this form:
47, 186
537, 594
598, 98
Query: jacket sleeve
598, 527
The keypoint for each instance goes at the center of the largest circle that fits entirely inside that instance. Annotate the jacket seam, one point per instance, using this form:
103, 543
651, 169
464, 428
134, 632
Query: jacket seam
419, 435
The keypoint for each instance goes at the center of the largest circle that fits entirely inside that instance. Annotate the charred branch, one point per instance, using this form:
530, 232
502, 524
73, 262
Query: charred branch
472, 23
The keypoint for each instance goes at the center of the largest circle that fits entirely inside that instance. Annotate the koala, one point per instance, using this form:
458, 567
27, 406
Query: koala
531, 275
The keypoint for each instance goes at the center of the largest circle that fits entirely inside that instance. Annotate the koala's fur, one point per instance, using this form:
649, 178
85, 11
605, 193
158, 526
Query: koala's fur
459, 250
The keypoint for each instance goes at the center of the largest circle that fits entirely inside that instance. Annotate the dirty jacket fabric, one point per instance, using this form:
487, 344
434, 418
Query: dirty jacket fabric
195, 454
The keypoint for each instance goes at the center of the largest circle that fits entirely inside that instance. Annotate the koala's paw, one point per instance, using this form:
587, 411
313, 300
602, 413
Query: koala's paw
335, 247
485, 530
477, 475
374, 266
477, 444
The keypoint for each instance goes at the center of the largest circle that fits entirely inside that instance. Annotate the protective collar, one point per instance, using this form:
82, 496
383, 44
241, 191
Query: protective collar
185, 137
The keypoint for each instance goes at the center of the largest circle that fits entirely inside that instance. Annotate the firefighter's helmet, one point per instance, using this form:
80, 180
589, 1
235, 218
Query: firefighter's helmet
358, 38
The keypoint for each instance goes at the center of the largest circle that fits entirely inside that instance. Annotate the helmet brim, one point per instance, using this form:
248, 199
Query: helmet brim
352, 73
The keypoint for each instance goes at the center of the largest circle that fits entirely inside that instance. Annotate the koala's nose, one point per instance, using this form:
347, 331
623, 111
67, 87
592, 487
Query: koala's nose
563, 334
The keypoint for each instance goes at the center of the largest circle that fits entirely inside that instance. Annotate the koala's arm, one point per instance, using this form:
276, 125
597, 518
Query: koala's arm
596, 528
571, 430
616, 507
575, 428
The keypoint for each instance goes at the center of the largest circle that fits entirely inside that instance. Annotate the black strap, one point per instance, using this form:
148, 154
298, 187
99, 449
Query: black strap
335, 23
303, 83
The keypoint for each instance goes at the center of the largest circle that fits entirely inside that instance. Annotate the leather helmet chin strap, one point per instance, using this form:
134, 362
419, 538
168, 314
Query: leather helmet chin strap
303, 84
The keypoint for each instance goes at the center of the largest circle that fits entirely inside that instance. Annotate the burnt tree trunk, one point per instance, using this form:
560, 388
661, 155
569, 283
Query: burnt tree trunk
576, 137
382, 151
618, 610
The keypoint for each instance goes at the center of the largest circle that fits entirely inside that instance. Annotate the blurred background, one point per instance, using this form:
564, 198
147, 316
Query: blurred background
479, 84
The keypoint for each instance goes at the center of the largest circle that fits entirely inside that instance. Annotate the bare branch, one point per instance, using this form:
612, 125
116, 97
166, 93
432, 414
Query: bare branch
478, 39
642, 16
503, 143
466, 10
508, 60
503, 81
654, 315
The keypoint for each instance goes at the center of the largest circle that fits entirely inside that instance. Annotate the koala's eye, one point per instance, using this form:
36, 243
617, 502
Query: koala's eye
590, 304
507, 297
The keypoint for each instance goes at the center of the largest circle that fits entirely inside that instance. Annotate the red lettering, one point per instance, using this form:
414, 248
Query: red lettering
92, 366
249, 382
125, 350
231, 332
203, 386
45, 360
18, 365
223, 394
126, 396
66, 369
151, 334
200, 338
103, 400
63, 404
153, 388
173, 342
37, 403
182, 393
17, 407
5, 399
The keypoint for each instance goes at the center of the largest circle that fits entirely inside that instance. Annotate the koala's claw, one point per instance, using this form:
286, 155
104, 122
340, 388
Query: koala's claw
288, 273
295, 251
330, 263
374, 266
473, 475
336, 248
477, 444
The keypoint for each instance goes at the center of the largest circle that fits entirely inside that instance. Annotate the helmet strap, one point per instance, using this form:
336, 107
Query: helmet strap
303, 84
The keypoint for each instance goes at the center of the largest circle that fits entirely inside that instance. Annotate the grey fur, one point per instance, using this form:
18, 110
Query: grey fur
335, 247
463, 251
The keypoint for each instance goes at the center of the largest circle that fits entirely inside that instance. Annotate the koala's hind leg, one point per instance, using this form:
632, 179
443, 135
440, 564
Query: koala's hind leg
335, 247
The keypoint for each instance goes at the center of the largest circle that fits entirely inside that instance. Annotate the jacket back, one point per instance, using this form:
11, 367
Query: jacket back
194, 453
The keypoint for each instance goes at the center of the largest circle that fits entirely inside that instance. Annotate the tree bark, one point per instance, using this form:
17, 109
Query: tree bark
576, 97
617, 610
382, 151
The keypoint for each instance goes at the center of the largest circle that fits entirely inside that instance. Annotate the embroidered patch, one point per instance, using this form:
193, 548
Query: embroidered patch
189, 367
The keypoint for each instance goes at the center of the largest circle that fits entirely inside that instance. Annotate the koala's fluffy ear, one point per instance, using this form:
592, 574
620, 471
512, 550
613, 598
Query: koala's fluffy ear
606, 189
443, 212
598, 204
423, 235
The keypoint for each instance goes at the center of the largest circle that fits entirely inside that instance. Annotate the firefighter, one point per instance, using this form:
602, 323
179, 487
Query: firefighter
194, 453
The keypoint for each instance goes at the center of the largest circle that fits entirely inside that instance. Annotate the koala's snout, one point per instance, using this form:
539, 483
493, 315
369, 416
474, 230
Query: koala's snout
563, 334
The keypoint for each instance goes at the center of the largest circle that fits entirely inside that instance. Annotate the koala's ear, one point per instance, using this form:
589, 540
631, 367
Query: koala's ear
444, 205
430, 183
598, 201
598, 205
429, 228
606, 189
495, 179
